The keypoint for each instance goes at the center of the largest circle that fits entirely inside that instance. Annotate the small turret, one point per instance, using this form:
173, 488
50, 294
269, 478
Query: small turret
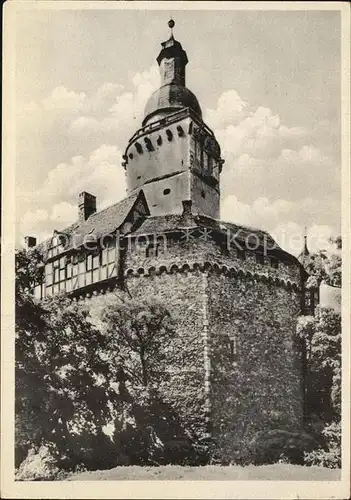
304, 255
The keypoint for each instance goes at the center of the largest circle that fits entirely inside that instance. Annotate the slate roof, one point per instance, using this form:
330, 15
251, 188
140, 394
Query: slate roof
174, 223
100, 223
108, 220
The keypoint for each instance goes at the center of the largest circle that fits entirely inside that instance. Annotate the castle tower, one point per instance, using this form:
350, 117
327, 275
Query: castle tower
174, 156
235, 296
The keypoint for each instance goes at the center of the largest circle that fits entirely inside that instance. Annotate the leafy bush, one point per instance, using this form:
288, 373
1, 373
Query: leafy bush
275, 445
39, 465
330, 454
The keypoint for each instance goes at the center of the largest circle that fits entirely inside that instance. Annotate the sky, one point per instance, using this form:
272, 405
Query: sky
268, 83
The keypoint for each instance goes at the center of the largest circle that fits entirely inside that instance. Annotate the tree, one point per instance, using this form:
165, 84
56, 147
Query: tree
73, 377
140, 337
326, 266
321, 343
30, 323
63, 387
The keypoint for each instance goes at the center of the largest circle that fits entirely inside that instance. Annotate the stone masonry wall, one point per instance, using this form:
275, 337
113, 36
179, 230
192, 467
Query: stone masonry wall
259, 385
212, 297
181, 294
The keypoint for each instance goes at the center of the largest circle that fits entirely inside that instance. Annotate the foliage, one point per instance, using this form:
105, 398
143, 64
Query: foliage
326, 266
140, 334
320, 337
62, 382
39, 465
73, 378
28, 270
328, 455
271, 446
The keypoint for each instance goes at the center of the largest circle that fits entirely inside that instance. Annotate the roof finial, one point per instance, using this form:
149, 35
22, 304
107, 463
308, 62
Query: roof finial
171, 24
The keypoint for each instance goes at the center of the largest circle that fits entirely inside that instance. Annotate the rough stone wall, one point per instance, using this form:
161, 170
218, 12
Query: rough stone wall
260, 388
196, 246
181, 295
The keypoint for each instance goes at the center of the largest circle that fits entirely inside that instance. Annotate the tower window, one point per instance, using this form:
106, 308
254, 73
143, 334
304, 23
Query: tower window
131, 156
139, 147
201, 158
180, 131
159, 140
203, 194
148, 144
209, 165
166, 191
169, 134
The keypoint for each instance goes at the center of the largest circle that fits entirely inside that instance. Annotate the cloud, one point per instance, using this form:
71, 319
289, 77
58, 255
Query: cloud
72, 141
266, 214
230, 109
290, 236
276, 177
283, 219
258, 133
100, 173
62, 98
266, 158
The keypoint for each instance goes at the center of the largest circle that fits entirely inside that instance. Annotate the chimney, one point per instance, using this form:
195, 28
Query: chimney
187, 216
86, 205
30, 242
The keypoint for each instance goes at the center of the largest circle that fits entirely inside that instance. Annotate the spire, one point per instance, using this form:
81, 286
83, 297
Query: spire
172, 60
305, 252
172, 94
305, 249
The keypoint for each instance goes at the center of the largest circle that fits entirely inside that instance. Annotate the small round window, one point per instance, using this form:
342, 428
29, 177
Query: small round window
166, 191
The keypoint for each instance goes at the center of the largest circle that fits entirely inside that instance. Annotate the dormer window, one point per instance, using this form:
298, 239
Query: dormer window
274, 263
241, 254
260, 258
152, 250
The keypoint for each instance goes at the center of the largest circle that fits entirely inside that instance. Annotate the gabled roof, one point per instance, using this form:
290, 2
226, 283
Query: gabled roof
111, 218
104, 222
